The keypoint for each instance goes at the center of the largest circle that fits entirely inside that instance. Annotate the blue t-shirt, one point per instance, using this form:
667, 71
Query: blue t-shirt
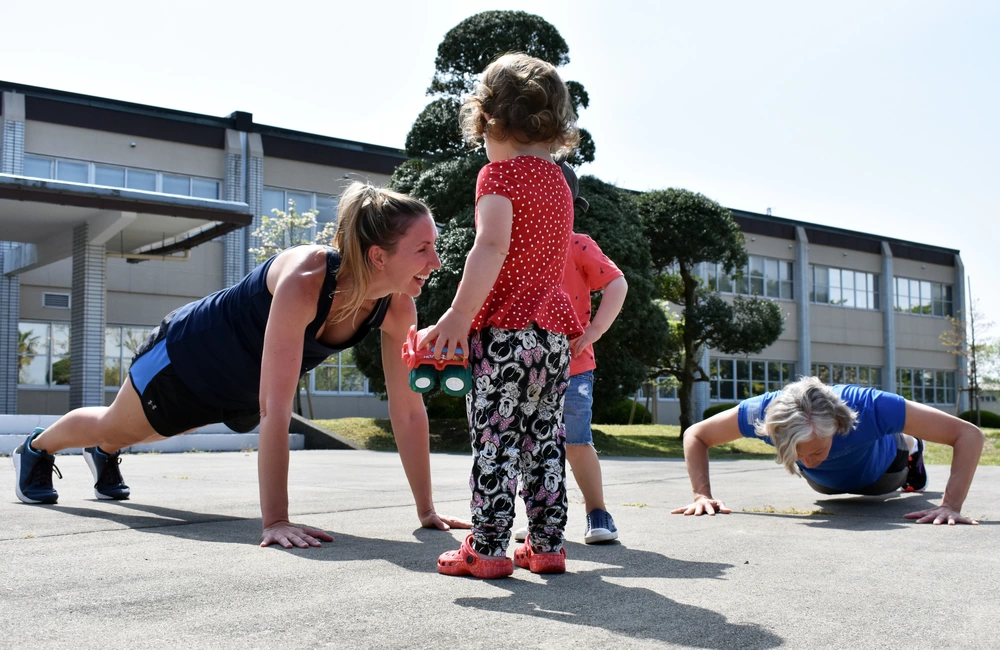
860, 457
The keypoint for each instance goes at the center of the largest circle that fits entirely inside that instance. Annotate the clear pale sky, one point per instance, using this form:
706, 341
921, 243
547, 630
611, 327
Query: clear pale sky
874, 116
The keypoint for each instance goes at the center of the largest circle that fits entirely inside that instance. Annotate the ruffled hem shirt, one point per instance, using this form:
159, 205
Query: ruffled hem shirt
529, 288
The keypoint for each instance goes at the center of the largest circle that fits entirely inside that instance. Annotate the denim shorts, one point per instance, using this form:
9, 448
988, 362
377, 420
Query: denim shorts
578, 409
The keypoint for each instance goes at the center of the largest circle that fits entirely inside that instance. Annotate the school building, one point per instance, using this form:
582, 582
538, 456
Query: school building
858, 308
112, 214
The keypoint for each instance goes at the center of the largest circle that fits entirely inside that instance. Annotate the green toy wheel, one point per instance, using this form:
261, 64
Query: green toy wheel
456, 380
422, 378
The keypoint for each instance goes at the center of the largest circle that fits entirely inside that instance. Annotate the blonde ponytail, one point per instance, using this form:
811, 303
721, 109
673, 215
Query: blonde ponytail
369, 216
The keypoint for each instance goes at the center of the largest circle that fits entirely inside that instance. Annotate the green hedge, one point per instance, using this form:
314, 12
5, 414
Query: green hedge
618, 413
442, 406
986, 418
718, 408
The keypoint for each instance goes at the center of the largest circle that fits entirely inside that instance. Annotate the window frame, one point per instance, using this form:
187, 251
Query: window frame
756, 273
158, 175
915, 384
340, 365
759, 377
839, 282
314, 202
941, 307
51, 356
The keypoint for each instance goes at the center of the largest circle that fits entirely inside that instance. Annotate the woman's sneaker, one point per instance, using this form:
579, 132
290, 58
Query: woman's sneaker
600, 527
108, 482
916, 477
521, 534
33, 473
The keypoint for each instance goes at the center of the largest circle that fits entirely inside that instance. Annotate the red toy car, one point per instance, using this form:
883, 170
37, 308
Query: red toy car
454, 376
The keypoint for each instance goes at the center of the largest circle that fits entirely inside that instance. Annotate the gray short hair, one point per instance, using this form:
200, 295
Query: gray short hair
803, 409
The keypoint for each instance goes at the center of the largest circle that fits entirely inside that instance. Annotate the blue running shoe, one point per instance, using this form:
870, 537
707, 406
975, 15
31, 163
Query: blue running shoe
108, 482
600, 527
33, 473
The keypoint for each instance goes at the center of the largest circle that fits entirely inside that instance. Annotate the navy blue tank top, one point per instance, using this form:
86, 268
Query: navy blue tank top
216, 344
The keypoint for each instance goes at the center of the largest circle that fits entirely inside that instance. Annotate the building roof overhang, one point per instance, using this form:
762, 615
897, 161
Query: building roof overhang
41, 216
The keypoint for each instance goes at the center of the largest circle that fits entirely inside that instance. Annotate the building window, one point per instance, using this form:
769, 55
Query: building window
35, 167
43, 354
739, 379
279, 199
926, 386
339, 374
762, 276
844, 288
112, 176
923, 297
666, 388
120, 344
839, 373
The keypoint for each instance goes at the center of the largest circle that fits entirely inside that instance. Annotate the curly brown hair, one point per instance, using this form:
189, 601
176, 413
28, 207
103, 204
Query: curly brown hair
525, 99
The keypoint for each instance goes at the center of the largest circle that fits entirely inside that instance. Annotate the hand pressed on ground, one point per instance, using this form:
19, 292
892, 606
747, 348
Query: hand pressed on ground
703, 506
431, 519
289, 535
941, 515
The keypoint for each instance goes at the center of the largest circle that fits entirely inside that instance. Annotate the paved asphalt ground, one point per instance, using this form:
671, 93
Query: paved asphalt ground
178, 565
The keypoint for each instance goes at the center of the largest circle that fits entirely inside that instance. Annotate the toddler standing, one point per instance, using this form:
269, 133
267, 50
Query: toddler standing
512, 302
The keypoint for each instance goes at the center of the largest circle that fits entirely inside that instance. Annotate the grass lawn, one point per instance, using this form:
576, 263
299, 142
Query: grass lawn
652, 441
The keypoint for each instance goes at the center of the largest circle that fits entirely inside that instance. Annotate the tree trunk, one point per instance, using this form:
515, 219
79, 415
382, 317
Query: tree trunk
686, 389
684, 397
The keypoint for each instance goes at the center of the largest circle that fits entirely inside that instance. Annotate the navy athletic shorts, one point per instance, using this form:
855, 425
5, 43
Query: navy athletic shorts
170, 406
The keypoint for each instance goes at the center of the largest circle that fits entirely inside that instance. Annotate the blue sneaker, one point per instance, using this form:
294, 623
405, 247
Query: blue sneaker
600, 527
108, 482
33, 473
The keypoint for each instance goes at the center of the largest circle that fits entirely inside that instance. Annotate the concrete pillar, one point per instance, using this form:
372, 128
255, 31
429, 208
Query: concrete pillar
11, 162
87, 318
12, 134
234, 244
888, 321
803, 282
254, 193
962, 311
10, 306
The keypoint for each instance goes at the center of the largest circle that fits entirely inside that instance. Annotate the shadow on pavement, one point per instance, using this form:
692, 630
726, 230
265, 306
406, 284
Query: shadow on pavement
863, 513
577, 598
168, 521
588, 598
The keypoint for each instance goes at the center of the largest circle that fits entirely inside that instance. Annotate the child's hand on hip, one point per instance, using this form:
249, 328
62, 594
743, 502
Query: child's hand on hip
579, 344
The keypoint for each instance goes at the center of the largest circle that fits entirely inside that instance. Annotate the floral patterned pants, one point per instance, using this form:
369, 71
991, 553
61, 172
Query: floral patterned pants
515, 413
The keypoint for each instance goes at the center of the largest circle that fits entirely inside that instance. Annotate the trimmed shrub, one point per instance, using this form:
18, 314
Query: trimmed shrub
718, 408
617, 412
987, 419
442, 406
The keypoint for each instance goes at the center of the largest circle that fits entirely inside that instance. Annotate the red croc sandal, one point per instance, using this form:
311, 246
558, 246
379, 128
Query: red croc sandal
526, 558
467, 562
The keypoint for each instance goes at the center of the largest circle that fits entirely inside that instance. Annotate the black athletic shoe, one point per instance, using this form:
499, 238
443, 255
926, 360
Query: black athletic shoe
33, 473
108, 482
916, 478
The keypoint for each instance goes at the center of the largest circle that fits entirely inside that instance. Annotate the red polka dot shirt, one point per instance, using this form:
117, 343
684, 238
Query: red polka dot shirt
529, 288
